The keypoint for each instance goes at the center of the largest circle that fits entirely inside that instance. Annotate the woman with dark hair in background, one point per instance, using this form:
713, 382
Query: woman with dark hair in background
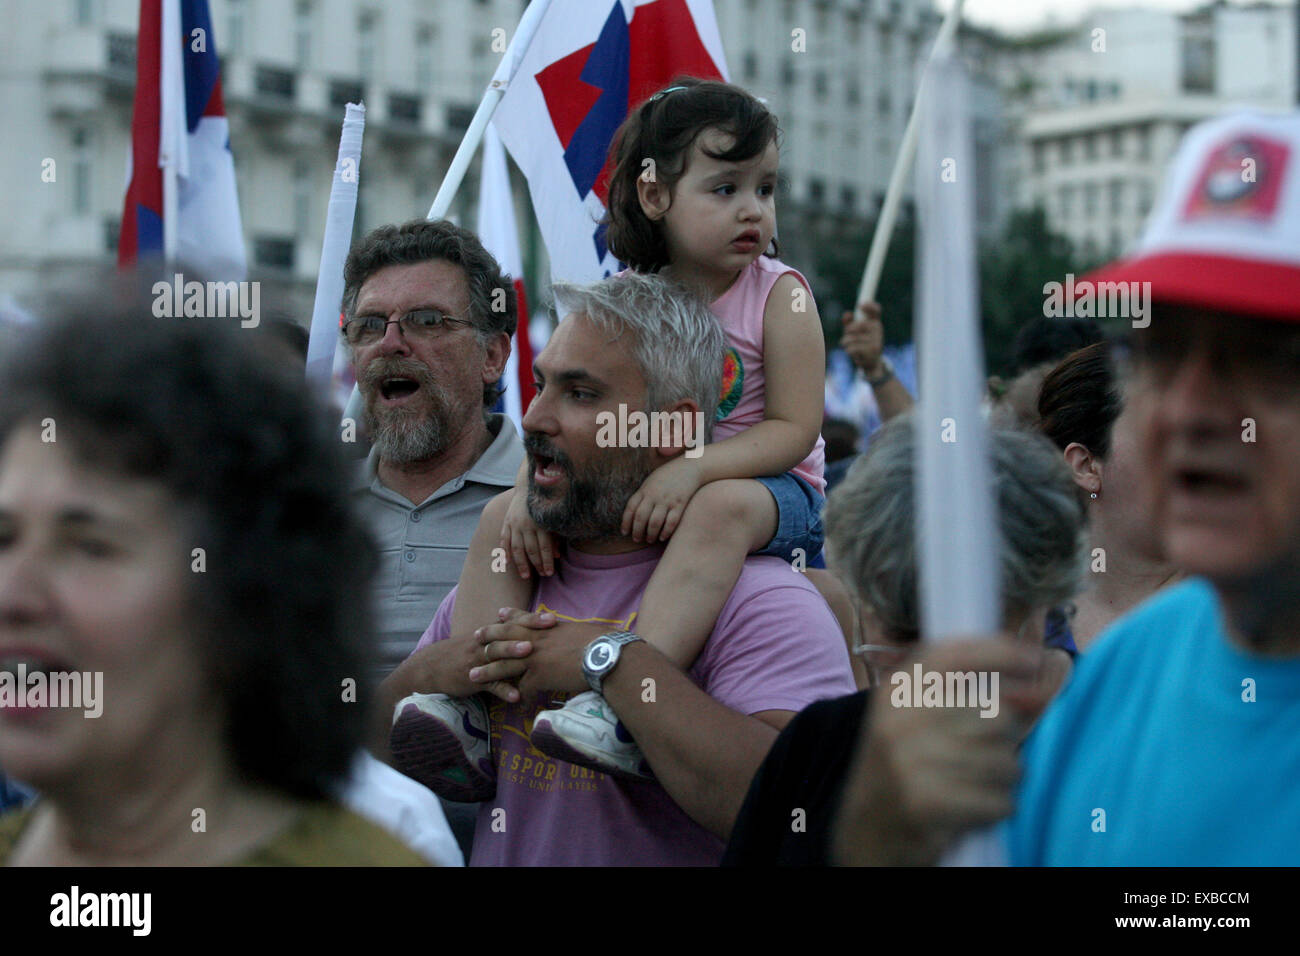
175, 529
1082, 410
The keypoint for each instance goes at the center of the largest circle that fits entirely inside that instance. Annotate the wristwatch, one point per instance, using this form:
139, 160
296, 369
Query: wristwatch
601, 656
886, 374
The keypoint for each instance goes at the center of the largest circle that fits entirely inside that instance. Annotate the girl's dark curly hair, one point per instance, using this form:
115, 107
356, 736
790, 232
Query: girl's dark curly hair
257, 471
663, 129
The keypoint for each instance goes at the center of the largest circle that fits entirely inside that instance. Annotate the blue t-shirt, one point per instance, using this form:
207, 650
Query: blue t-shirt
1170, 747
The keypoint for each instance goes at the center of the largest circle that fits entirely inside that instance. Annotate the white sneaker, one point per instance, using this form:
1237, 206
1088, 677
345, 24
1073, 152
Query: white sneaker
585, 731
446, 744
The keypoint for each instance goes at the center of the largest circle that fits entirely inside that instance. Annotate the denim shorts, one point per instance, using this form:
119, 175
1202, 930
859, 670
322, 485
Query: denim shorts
799, 519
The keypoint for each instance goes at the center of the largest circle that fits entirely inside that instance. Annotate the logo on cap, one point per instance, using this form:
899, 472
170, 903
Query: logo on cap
1241, 179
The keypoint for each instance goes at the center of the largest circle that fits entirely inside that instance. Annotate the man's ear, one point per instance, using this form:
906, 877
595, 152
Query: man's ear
496, 352
655, 197
683, 430
1084, 467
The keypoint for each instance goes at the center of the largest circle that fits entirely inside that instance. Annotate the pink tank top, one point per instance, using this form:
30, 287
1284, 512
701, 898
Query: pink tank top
740, 309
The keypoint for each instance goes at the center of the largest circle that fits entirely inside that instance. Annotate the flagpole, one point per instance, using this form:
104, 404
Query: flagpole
323, 340
171, 133
957, 522
505, 72
903, 164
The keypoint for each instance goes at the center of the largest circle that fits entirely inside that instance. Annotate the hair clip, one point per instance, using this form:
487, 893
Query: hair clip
662, 93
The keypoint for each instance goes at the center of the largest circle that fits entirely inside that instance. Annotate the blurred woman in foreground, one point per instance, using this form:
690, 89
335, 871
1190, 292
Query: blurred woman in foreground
174, 527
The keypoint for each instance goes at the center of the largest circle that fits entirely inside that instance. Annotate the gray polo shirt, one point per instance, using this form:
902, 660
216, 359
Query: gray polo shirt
422, 547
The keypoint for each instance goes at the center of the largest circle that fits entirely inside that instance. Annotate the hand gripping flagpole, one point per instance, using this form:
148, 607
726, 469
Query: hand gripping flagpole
957, 530
903, 165
324, 339
505, 72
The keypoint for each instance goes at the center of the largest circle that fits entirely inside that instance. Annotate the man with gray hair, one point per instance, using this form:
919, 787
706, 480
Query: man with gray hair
428, 318
632, 344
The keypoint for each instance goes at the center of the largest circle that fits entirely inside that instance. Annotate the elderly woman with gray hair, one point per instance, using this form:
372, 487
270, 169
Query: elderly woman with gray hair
888, 775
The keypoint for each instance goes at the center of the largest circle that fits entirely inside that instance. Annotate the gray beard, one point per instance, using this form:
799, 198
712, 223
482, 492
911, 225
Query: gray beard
401, 441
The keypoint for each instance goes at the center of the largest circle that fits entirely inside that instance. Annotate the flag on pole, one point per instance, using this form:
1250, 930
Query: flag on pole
588, 64
180, 201
500, 236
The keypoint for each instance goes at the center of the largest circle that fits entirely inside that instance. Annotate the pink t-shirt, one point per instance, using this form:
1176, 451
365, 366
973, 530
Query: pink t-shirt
776, 646
740, 309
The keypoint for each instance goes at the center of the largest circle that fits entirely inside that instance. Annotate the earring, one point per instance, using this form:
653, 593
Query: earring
1093, 495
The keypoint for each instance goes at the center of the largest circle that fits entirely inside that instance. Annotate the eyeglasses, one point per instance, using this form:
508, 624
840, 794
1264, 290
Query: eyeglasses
422, 323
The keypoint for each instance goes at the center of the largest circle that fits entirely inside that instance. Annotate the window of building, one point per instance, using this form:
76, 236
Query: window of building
787, 73
882, 103
848, 199
1067, 202
1144, 141
819, 83
367, 43
1090, 146
274, 252
1040, 156
85, 13
425, 37
1198, 56
852, 93
751, 65
816, 192
1090, 199
302, 196
1144, 196
1116, 143
1116, 196
1067, 151
234, 26
82, 170
303, 13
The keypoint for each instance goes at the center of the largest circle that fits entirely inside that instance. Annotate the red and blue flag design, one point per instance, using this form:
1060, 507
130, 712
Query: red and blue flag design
179, 122
574, 87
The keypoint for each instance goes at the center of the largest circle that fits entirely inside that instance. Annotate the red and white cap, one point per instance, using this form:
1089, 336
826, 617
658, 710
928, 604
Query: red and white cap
1225, 232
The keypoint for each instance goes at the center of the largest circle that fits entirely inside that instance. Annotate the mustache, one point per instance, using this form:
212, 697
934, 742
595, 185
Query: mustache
535, 445
382, 368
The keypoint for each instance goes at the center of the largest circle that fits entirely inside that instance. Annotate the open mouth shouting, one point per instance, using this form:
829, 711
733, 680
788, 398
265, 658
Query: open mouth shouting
549, 466
395, 382
396, 389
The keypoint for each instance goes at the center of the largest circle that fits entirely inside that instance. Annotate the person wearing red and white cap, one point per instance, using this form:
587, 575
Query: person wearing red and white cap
1178, 740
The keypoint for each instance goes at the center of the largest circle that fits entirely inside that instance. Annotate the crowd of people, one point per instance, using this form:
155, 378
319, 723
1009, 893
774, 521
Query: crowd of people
633, 652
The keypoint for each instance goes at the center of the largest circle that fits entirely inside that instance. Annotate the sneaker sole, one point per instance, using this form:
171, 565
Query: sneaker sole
545, 739
427, 751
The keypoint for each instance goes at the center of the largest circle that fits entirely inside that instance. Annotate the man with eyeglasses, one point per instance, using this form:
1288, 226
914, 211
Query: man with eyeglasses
428, 320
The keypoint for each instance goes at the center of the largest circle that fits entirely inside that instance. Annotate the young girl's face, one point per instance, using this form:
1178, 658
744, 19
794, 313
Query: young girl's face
720, 216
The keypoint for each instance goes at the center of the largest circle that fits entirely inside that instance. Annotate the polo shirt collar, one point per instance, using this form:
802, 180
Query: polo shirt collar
499, 465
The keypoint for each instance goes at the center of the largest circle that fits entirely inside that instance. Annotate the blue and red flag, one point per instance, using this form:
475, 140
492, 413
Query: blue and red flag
588, 64
181, 166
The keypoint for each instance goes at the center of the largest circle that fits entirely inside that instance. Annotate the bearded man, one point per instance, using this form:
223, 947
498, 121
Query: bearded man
632, 343
428, 320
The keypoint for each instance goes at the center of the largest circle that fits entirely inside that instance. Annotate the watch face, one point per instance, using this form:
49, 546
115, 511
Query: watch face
599, 656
